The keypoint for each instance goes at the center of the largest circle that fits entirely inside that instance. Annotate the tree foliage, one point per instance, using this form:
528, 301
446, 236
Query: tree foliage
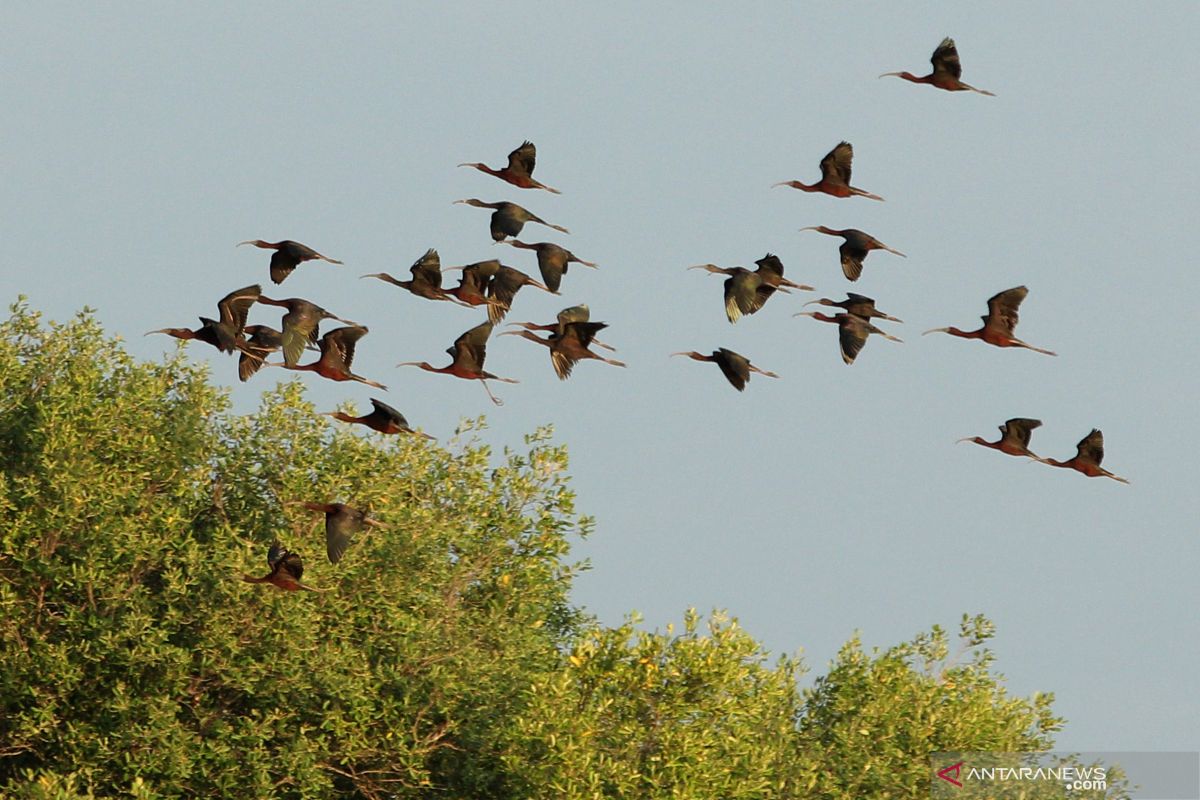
443, 656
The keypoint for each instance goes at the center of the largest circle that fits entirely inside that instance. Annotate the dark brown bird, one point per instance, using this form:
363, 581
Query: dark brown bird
947, 71
1089, 453
770, 272
509, 218
1014, 437
262, 341
570, 347
735, 367
856, 304
552, 261
519, 171
383, 418
468, 352
337, 354
224, 334
287, 256
741, 289
301, 325
835, 175
341, 523
426, 278
503, 287
999, 323
852, 332
579, 313
854, 249
286, 571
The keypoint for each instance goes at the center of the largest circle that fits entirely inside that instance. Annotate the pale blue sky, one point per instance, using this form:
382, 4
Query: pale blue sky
143, 141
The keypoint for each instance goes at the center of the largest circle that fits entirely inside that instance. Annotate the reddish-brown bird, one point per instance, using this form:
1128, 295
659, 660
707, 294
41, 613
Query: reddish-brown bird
383, 418
468, 352
835, 175
286, 571
568, 348
947, 71
287, 256
857, 304
552, 261
426, 278
341, 523
999, 323
854, 248
472, 286
579, 313
852, 332
1014, 437
735, 367
301, 325
509, 218
1089, 453
337, 354
519, 171
224, 334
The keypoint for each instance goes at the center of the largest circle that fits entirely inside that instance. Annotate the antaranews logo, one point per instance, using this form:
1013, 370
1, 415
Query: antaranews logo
950, 774
1083, 776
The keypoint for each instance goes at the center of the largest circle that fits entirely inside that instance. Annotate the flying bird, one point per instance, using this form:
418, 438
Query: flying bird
225, 333
341, 523
468, 352
735, 367
835, 175
287, 256
552, 261
852, 332
857, 304
509, 218
1014, 437
579, 313
770, 272
472, 286
426, 278
262, 341
1089, 453
383, 418
999, 323
301, 325
570, 347
503, 288
854, 248
337, 354
519, 171
286, 571
947, 71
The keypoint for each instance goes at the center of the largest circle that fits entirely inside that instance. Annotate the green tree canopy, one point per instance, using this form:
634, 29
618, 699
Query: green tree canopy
441, 658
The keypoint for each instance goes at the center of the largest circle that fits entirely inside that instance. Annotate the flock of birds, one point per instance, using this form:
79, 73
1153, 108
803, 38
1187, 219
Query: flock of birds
572, 335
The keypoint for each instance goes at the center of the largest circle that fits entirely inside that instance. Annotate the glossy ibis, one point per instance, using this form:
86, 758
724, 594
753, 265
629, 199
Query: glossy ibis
426, 278
854, 248
999, 323
301, 325
947, 70
852, 332
735, 367
341, 523
503, 288
1089, 453
552, 261
519, 171
835, 175
509, 218
286, 571
224, 334
337, 354
468, 352
383, 418
287, 256
579, 313
856, 304
1014, 437
770, 272
570, 347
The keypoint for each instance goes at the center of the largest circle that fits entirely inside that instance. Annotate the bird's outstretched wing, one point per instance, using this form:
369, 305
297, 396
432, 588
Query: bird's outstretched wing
343, 340
945, 59
852, 336
470, 349
236, 305
1091, 447
835, 166
1019, 430
428, 268
389, 412
852, 255
1002, 309
734, 367
522, 160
